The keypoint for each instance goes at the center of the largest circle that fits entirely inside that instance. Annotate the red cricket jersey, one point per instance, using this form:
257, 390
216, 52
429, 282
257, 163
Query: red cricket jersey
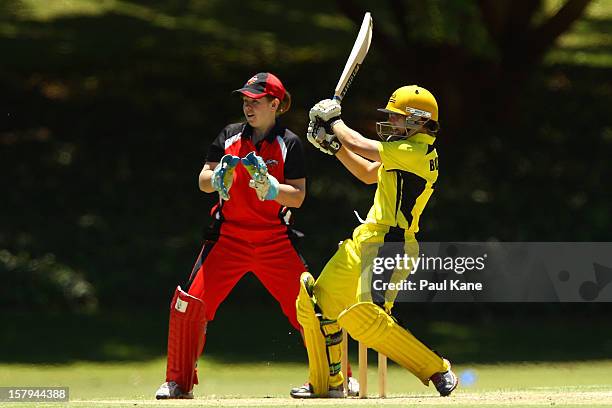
281, 150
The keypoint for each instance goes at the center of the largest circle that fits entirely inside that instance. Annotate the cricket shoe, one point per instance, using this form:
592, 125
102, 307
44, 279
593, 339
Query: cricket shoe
171, 390
352, 386
306, 391
445, 382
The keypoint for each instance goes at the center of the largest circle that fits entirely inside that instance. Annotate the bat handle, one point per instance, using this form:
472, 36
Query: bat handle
337, 98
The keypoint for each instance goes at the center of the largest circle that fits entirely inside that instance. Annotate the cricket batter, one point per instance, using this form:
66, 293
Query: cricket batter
257, 168
405, 167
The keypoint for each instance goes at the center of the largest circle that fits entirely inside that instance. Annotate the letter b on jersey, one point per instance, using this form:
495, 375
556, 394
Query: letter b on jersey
433, 164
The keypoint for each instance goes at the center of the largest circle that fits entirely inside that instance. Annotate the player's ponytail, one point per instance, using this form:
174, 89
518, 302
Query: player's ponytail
285, 104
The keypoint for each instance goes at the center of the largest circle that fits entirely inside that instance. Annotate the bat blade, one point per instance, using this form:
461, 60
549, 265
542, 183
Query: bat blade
355, 59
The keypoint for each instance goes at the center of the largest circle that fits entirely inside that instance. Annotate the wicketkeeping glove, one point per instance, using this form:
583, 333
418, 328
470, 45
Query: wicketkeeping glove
223, 175
327, 111
265, 185
327, 143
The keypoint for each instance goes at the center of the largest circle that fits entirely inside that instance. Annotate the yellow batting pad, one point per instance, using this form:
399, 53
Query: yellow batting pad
369, 324
333, 341
318, 367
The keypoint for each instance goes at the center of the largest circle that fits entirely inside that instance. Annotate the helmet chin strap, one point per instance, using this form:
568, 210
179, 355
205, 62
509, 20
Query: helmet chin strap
405, 136
412, 131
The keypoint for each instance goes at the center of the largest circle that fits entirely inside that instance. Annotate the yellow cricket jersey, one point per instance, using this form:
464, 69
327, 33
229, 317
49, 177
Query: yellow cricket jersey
408, 171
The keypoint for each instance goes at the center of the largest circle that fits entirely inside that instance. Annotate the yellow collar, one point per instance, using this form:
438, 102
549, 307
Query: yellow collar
422, 138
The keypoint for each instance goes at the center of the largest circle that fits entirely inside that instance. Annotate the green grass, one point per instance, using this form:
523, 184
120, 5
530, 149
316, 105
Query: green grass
268, 384
141, 336
116, 359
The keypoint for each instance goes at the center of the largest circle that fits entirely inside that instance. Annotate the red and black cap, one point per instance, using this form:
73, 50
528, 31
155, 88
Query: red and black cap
262, 84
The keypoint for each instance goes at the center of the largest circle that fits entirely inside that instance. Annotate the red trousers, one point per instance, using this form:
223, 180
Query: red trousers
272, 258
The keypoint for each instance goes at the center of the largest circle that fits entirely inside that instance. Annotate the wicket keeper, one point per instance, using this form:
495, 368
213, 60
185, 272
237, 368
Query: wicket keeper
257, 169
405, 167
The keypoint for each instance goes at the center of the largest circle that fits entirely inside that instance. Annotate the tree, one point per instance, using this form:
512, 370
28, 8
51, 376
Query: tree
476, 55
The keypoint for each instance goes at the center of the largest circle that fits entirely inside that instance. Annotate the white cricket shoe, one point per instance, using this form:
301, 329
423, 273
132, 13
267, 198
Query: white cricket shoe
171, 390
353, 387
306, 391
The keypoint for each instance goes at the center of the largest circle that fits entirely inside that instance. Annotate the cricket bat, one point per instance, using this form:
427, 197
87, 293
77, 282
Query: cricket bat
355, 59
353, 63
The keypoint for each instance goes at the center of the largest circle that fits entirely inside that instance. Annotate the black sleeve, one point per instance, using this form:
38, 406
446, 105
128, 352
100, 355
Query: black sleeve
294, 161
217, 149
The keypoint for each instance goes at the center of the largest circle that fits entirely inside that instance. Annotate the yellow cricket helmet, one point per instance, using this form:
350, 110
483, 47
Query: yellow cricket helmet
412, 100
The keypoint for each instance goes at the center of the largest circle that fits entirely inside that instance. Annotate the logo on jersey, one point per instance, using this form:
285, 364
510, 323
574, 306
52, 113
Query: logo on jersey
181, 305
271, 163
433, 164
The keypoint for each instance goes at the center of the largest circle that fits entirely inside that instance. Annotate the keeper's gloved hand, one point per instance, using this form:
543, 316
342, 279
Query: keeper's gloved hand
327, 143
266, 185
327, 111
223, 175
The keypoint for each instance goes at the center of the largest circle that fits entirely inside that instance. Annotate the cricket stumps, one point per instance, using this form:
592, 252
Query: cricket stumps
363, 369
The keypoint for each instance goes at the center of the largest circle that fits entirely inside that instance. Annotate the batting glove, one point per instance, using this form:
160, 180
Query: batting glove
266, 185
327, 143
223, 175
327, 111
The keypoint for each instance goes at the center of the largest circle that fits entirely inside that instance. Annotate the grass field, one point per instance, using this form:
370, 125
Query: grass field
267, 384
117, 359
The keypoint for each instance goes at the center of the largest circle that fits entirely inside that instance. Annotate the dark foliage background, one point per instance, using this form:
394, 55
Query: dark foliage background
108, 108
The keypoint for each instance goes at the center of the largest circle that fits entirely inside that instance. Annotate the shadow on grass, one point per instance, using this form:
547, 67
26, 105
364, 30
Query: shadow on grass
257, 331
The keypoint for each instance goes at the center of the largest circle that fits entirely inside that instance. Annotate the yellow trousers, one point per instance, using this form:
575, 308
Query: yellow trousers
347, 277
345, 292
